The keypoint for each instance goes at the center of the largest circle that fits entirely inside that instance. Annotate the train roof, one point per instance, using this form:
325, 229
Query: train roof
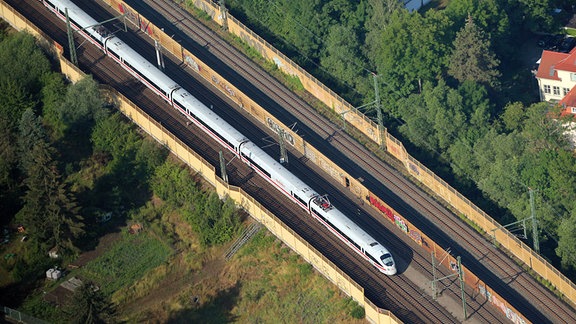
141, 64
209, 117
279, 172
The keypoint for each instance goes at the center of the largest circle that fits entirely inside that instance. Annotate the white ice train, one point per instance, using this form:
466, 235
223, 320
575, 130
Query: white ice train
318, 206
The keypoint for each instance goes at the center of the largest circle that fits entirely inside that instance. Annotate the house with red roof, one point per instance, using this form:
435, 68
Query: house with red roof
556, 77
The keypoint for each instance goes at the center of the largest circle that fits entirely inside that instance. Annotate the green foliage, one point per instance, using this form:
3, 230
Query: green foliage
489, 16
88, 306
128, 260
513, 116
82, 104
539, 15
305, 269
358, 312
112, 136
295, 83
53, 93
22, 62
342, 56
215, 221
412, 49
43, 309
440, 116
174, 185
49, 212
567, 241
472, 59
131, 157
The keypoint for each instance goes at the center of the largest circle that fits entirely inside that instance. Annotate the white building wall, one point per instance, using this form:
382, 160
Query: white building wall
557, 88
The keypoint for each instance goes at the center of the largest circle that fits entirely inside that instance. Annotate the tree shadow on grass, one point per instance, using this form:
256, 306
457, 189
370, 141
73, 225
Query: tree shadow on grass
214, 310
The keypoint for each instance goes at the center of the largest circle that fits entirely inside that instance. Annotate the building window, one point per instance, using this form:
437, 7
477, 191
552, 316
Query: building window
573, 110
566, 90
556, 90
546, 88
573, 76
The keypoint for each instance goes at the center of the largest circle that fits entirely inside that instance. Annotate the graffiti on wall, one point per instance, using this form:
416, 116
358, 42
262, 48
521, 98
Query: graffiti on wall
191, 63
227, 90
414, 168
136, 20
396, 219
283, 67
510, 314
276, 128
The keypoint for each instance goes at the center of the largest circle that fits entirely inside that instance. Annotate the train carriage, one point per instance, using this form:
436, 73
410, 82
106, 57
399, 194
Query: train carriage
316, 205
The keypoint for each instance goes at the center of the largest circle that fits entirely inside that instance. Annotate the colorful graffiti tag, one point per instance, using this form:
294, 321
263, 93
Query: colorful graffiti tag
396, 219
510, 314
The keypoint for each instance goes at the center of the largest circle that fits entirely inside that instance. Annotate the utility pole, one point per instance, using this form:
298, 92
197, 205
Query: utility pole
381, 132
223, 167
462, 291
159, 56
223, 14
283, 152
72, 47
458, 273
70, 31
534, 222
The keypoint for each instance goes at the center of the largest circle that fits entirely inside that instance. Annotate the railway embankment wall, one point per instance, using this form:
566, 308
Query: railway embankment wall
208, 172
354, 185
354, 117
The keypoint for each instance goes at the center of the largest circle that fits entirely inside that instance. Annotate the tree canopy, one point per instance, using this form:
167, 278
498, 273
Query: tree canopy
445, 76
472, 59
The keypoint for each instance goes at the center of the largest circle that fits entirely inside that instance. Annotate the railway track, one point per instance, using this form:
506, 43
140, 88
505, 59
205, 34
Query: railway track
479, 255
105, 70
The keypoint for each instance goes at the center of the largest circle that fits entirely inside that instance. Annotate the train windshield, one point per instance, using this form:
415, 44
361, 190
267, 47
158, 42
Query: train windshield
387, 259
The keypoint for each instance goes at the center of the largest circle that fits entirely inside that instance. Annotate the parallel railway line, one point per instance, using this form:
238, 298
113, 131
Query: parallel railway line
495, 267
338, 139
401, 298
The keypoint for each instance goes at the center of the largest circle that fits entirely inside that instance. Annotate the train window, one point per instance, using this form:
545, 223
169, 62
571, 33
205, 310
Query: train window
254, 164
300, 200
373, 244
372, 258
387, 259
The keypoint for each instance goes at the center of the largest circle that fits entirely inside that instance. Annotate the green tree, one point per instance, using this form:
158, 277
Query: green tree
412, 50
89, 306
49, 213
488, 15
513, 116
174, 184
472, 59
567, 241
52, 96
22, 62
81, 105
342, 58
32, 142
379, 15
543, 131
538, 15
